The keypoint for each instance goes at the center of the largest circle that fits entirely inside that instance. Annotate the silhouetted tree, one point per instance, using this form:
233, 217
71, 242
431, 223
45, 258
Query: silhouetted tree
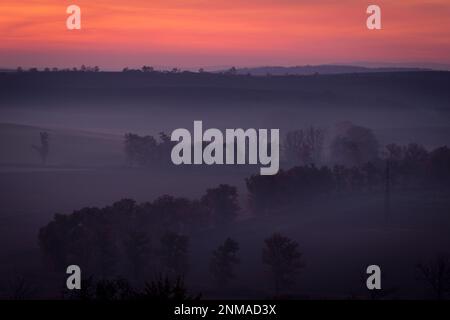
21, 289
355, 146
437, 274
146, 150
174, 253
287, 189
223, 260
147, 69
284, 260
140, 150
165, 289
440, 166
222, 203
139, 252
97, 238
161, 289
304, 146
232, 71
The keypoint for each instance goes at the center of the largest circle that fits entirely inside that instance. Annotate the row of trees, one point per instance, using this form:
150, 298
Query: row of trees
281, 256
148, 236
83, 68
144, 68
351, 146
404, 167
354, 146
163, 289
91, 242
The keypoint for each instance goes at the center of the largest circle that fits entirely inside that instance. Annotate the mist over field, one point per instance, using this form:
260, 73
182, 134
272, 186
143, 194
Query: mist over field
348, 201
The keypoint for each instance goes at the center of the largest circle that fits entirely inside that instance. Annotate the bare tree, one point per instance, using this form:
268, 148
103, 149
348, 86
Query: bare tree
304, 146
21, 289
437, 274
43, 149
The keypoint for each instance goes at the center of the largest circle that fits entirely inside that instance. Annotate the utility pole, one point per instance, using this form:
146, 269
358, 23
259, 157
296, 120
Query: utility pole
387, 193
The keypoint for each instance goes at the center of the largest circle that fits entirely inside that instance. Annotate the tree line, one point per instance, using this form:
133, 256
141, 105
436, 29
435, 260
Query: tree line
140, 241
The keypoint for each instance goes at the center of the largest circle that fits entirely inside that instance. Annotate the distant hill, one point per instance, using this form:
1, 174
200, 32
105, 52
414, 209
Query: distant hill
109, 90
319, 69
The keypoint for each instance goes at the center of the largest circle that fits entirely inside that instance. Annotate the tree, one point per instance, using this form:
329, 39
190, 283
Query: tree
43, 149
437, 274
355, 146
161, 289
147, 69
174, 253
283, 258
146, 150
164, 289
223, 260
232, 71
100, 239
21, 289
140, 150
288, 189
138, 250
222, 203
304, 146
394, 152
440, 166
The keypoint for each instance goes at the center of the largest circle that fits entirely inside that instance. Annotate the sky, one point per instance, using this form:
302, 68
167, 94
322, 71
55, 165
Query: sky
217, 33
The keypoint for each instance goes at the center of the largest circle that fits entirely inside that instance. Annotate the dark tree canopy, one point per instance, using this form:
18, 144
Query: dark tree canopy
223, 260
284, 260
354, 146
222, 203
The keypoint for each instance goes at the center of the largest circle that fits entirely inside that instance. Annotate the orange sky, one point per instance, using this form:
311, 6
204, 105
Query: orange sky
192, 33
